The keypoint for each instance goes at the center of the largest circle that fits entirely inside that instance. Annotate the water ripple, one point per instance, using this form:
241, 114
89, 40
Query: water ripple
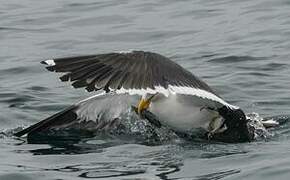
240, 48
235, 59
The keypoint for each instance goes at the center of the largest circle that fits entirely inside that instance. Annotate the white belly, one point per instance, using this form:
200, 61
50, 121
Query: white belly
183, 112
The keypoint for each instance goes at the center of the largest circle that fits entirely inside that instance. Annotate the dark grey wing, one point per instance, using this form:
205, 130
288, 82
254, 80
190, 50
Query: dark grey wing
136, 70
99, 112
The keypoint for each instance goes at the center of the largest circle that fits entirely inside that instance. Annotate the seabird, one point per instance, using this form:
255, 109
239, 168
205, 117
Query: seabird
178, 98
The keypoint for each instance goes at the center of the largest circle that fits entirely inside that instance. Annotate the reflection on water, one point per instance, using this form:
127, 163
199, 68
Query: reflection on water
108, 156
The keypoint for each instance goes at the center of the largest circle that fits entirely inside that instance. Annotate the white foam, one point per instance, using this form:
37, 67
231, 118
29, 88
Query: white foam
270, 123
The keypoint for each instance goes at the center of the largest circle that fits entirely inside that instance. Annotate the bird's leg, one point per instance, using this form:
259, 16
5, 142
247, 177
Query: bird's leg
144, 103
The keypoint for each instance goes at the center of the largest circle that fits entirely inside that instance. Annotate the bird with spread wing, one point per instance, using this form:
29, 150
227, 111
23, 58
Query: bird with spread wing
153, 83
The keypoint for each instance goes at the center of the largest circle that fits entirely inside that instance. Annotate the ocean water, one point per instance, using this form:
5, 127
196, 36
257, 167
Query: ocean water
240, 48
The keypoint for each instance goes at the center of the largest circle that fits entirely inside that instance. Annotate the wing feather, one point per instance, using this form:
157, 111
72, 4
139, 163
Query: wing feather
135, 72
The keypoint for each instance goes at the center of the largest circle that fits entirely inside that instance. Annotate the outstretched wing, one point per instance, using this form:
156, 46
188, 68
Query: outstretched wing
135, 72
99, 112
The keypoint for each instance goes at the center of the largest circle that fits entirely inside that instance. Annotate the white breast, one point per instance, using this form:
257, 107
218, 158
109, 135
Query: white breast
183, 112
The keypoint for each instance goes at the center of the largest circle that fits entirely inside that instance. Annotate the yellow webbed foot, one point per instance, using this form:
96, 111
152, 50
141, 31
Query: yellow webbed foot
143, 105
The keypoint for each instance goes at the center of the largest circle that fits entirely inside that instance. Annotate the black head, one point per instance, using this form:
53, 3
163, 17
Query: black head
237, 126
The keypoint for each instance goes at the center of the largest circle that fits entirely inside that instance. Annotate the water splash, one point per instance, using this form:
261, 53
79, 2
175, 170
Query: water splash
256, 124
131, 128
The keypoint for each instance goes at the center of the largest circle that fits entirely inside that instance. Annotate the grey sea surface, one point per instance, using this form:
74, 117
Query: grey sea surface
240, 48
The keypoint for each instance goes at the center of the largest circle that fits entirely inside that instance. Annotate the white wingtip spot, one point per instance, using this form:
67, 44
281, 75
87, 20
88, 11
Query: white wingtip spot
49, 62
125, 52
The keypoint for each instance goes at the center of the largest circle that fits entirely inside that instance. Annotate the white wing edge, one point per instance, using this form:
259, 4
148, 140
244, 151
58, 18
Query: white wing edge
176, 90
